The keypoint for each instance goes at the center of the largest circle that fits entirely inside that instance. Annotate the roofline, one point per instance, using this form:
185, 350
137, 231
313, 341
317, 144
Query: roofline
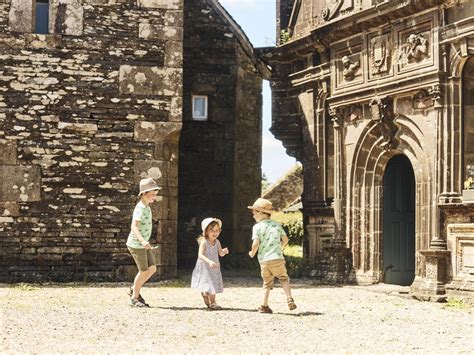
242, 38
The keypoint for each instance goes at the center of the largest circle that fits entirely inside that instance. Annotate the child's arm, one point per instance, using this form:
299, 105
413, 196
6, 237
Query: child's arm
284, 240
222, 252
136, 232
254, 250
202, 248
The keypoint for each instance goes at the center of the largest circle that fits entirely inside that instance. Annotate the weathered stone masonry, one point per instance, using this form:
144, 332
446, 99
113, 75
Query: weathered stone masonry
220, 158
85, 112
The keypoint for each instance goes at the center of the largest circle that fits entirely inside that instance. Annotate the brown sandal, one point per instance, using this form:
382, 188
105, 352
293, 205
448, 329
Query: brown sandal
264, 309
291, 303
205, 297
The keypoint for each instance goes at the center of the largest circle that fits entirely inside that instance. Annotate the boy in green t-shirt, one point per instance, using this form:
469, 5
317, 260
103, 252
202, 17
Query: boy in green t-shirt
269, 238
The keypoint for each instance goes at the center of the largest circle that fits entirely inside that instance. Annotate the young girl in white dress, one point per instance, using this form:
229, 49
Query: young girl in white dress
207, 276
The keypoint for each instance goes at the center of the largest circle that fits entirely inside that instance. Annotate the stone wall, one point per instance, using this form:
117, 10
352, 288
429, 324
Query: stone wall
85, 112
219, 157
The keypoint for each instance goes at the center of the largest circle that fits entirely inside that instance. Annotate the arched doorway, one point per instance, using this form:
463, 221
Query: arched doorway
399, 222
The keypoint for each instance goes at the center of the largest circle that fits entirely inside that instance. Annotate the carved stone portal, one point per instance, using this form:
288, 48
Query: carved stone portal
382, 114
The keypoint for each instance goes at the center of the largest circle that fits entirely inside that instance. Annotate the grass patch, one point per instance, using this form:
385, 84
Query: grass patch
25, 287
454, 303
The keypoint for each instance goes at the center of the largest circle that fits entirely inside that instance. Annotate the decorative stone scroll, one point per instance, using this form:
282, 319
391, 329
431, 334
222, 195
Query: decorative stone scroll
382, 114
332, 7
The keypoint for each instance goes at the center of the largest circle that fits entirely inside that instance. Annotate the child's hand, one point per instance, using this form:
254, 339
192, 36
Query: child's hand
147, 245
251, 254
212, 265
225, 251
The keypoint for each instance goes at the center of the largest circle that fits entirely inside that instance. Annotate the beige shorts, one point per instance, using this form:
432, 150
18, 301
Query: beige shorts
271, 269
144, 258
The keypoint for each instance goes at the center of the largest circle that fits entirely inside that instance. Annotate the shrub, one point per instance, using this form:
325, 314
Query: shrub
292, 223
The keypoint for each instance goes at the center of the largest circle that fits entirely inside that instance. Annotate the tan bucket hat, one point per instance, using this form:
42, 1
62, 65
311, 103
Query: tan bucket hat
262, 205
148, 184
207, 221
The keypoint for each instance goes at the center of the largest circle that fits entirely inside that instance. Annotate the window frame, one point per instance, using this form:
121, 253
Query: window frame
35, 28
205, 117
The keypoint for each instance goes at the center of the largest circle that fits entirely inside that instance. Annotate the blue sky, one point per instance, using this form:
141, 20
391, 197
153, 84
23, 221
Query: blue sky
257, 19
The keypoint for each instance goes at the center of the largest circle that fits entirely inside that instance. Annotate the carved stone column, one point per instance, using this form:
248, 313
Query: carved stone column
333, 262
339, 237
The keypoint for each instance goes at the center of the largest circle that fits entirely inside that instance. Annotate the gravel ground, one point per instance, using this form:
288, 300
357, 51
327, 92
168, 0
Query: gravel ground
349, 319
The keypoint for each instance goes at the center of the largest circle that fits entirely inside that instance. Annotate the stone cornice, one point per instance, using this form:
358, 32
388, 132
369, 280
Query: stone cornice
341, 27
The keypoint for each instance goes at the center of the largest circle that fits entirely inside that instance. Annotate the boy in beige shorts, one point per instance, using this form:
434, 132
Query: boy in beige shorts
269, 238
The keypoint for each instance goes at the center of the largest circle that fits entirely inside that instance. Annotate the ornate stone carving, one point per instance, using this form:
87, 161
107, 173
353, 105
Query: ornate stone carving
379, 54
350, 68
436, 94
427, 97
382, 114
417, 48
335, 117
422, 99
353, 113
332, 7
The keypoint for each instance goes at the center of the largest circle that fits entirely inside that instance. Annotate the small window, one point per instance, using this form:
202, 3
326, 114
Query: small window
42, 16
200, 107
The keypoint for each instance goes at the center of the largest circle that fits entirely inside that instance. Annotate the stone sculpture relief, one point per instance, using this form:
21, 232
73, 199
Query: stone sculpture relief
382, 114
417, 48
350, 68
379, 55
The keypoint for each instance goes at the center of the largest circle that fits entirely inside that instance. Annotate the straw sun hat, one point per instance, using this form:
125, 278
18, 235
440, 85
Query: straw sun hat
262, 205
148, 184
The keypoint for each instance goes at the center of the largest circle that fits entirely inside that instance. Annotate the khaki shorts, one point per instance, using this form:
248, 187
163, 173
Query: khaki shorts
271, 269
144, 258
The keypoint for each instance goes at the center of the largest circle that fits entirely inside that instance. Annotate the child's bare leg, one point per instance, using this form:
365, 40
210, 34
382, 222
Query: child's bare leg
266, 295
286, 287
212, 298
140, 280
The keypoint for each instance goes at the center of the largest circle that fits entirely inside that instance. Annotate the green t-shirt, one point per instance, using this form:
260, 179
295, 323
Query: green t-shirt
141, 213
269, 235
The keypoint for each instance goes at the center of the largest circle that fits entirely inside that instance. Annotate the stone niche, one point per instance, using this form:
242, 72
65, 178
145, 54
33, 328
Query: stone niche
460, 241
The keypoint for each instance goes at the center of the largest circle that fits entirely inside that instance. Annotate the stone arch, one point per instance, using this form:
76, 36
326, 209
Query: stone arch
364, 205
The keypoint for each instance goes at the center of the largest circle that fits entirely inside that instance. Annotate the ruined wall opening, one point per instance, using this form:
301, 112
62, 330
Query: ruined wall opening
398, 222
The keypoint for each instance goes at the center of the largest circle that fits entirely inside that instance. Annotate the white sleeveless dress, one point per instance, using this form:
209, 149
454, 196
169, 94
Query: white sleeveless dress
206, 279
